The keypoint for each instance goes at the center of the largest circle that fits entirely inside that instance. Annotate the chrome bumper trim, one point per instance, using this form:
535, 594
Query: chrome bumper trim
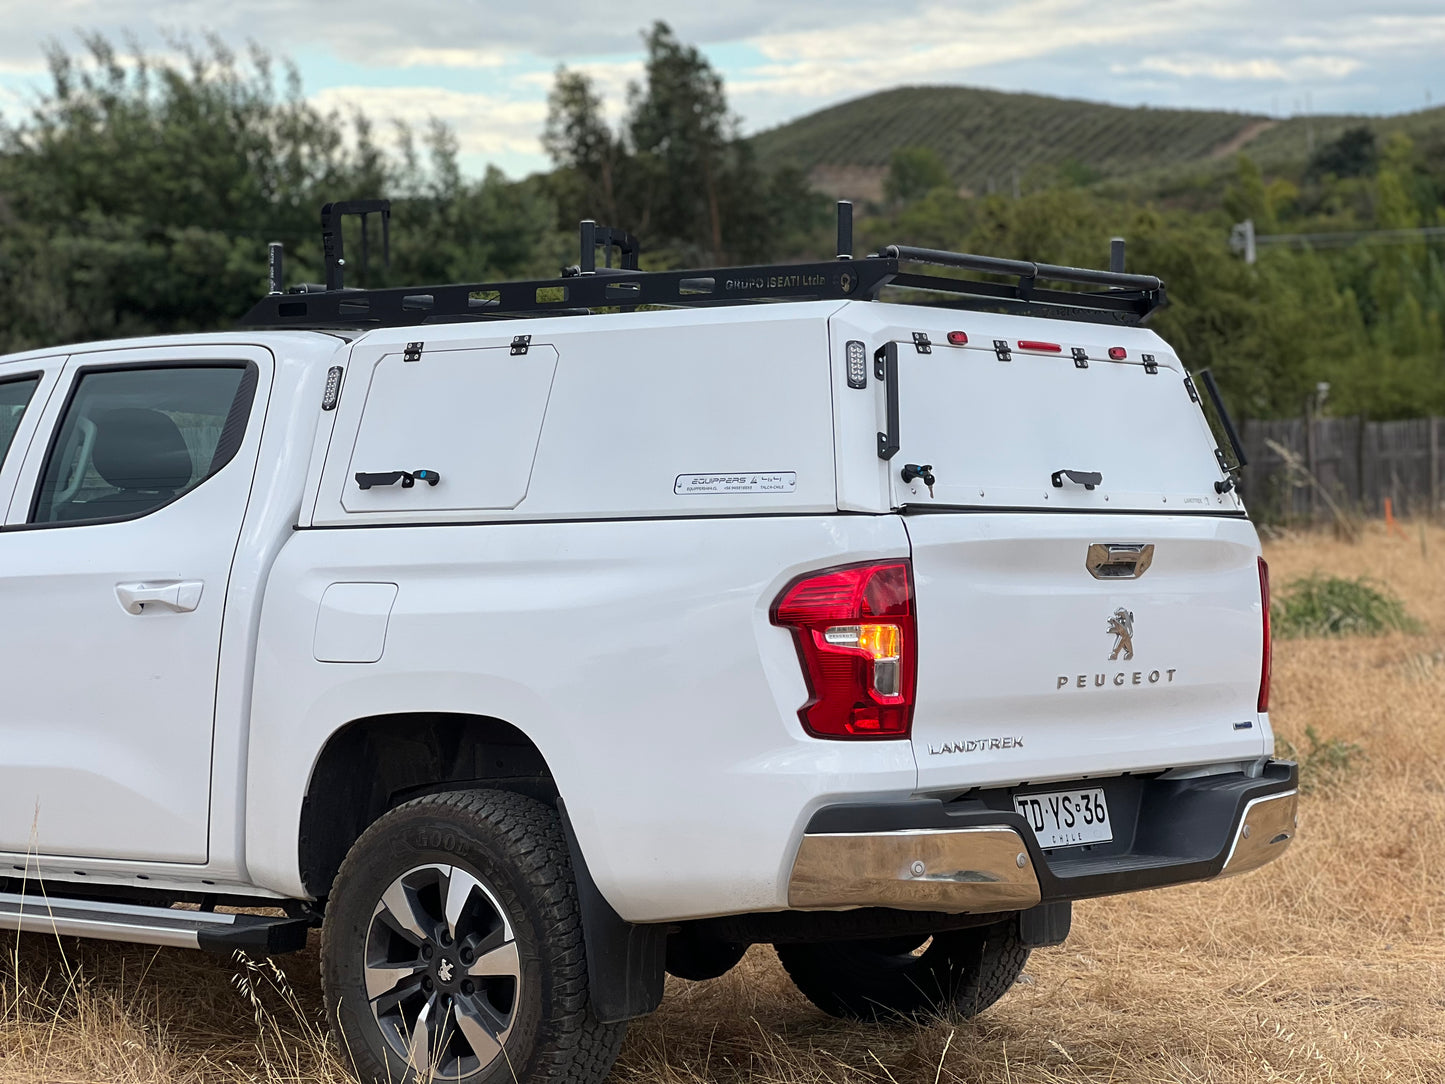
1265, 831
929, 869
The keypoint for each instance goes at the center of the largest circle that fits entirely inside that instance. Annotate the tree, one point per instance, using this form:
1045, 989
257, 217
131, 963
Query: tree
582, 147
1354, 154
913, 172
680, 127
677, 174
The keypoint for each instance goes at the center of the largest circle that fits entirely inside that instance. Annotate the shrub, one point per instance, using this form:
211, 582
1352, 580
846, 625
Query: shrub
1320, 605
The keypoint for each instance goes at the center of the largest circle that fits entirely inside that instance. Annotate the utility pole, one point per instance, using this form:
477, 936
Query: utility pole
1241, 240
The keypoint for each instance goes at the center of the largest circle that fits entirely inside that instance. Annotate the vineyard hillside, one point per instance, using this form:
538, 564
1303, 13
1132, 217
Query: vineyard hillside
990, 139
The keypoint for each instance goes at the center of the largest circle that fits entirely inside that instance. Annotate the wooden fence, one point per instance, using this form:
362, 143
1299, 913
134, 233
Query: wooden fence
1356, 463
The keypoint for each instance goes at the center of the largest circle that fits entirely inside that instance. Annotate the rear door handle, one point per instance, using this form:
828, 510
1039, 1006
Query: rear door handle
1119, 560
177, 596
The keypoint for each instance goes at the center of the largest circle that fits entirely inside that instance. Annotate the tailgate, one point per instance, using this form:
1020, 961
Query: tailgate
1033, 666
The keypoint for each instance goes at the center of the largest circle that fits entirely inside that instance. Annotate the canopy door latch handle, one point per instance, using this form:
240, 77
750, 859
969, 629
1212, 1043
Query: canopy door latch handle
1086, 478
1119, 560
407, 478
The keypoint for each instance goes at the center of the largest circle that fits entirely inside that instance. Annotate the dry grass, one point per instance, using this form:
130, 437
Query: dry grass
1327, 966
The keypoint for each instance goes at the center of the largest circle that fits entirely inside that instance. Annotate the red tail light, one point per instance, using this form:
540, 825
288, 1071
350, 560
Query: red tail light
1034, 344
1264, 667
858, 643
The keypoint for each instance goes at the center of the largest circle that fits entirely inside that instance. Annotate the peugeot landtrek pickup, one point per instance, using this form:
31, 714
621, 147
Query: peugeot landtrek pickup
533, 651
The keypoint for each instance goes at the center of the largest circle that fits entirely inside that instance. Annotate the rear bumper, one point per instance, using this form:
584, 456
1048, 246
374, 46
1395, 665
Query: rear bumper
977, 855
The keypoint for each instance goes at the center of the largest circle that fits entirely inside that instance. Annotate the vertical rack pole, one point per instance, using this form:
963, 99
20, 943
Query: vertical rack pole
365, 254
274, 253
845, 230
1116, 255
588, 228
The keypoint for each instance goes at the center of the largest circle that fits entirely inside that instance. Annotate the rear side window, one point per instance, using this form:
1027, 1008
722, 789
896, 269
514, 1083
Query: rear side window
14, 398
134, 440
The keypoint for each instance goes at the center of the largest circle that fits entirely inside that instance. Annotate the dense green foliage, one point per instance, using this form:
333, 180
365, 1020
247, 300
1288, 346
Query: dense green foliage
139, 196
676, 172
1322, 605
913, 172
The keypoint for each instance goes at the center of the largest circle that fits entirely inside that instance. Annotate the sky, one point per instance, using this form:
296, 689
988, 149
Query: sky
485, 67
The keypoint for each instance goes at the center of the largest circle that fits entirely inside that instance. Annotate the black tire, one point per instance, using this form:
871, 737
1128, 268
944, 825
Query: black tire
957, 975
527, 1015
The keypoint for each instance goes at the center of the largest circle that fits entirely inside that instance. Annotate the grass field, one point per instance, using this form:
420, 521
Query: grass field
1327, 966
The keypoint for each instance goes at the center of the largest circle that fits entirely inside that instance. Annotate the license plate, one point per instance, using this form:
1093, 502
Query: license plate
1067, 818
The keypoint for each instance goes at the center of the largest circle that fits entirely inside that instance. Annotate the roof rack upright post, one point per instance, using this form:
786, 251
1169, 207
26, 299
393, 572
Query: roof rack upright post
588, 229
274, 275
845, 229
1116, 255
332, 250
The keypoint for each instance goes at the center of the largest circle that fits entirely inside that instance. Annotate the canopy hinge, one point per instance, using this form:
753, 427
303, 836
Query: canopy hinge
921, 343
412, 352
521, 344
1001, 349
1081, 358
1150, 365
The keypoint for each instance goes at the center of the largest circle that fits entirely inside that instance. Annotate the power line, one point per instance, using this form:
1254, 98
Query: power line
1244, 241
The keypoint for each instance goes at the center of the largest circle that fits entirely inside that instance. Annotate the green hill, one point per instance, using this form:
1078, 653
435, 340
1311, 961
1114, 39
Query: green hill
987, 137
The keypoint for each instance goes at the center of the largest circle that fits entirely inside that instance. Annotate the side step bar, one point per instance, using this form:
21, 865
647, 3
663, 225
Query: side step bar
151, 925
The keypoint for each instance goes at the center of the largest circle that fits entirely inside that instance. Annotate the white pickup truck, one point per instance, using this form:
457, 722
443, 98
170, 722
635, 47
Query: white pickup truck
541, 650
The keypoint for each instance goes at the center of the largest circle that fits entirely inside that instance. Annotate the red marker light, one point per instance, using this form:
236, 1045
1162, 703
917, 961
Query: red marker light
1031, 344
1118, 353
957, 338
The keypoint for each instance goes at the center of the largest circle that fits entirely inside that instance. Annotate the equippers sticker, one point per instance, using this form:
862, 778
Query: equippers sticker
757, 482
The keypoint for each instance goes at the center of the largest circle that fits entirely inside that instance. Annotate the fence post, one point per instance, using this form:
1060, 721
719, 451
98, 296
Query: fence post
1434, 468
1365, 504
1312, 461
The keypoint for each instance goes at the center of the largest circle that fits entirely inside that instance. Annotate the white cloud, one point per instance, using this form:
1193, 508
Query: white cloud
1288, 69
484, 124
418, 57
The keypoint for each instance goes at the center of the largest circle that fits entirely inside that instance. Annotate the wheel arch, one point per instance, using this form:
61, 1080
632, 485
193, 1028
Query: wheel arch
375, 763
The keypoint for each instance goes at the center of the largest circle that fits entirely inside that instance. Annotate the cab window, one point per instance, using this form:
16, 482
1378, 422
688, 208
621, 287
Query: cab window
134, 440
14, 398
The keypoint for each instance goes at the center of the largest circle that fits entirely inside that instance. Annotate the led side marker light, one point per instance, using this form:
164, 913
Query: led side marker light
1034, 344
333, 388
958, 338
857, 364
1118, 353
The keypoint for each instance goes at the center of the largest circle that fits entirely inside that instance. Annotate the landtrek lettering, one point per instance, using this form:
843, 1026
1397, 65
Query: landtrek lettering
1137, 677
976, 745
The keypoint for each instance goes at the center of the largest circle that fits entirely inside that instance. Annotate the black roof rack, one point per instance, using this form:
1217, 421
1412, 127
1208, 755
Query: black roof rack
1122, 299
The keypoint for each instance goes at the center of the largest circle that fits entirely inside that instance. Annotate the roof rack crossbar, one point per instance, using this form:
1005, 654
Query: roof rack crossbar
1025, 269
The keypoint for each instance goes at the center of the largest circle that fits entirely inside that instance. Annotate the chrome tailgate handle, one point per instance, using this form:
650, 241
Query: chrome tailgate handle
1119, 560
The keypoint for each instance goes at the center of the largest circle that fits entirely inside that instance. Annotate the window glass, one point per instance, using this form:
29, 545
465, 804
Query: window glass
133, 440
14, 398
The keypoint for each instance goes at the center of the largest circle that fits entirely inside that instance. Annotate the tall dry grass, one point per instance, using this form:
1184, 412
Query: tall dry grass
1327, 966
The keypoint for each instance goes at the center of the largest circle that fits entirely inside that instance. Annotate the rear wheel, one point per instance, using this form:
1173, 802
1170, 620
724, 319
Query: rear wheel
955, 974
453, 948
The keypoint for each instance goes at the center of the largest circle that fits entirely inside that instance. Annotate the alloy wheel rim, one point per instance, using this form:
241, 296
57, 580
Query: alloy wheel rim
443, 974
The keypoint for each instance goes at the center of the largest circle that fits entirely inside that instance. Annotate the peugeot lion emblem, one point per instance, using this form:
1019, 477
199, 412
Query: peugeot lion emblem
444, 972
1121, 627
